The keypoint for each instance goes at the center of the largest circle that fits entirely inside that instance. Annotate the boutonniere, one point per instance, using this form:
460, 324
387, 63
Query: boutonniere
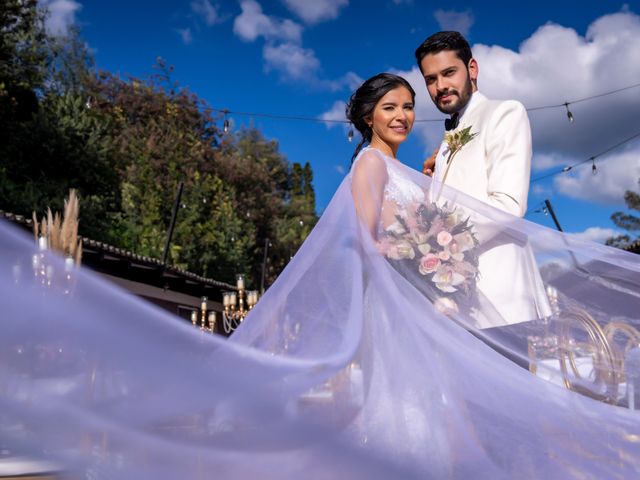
457, 139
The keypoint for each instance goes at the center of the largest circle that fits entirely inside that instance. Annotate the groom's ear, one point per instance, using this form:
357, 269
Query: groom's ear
472, 68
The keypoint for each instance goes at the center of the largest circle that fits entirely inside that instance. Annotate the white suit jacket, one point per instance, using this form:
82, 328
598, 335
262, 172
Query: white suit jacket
494, 167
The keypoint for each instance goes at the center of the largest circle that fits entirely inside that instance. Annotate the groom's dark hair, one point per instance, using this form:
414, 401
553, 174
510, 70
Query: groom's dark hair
441, 41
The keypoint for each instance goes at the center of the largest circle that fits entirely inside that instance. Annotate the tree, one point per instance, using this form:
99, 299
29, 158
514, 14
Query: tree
212, 238
158, 136
24, 58
627, 221
58, 143
273, 195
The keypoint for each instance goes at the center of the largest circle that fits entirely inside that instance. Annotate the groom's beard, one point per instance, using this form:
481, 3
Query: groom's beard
459, 100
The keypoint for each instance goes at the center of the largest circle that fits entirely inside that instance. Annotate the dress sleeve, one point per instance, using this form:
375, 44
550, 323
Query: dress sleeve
509, 148
369, 177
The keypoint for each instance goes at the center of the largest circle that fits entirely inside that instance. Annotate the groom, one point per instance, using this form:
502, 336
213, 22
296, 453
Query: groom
494, 167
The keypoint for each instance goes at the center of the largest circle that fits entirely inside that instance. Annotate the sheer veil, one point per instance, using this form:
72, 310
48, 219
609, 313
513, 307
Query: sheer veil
359, 362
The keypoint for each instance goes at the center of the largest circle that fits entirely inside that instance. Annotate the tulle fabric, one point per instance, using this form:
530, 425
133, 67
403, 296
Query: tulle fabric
345, 368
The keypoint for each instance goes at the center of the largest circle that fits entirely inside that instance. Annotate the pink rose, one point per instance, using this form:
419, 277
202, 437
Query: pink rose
429, 263
444, 255
444, 238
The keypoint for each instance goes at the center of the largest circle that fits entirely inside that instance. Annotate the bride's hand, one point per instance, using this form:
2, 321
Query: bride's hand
429, 165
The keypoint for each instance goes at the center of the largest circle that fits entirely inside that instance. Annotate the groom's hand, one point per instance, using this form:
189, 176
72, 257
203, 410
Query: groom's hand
429, 165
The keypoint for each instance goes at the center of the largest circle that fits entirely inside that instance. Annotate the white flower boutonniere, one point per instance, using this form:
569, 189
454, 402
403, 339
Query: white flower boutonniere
457, 139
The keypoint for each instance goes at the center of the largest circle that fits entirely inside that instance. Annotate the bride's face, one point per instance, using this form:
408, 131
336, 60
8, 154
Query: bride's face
393, 117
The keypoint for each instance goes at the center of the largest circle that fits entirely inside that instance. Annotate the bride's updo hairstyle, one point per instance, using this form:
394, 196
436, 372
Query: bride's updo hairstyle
364, 100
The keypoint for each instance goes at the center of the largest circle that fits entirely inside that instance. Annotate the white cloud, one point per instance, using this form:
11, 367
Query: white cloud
543, 161
340, 169
314, 11
541, 190
616, 174
349, 80
336, 112
597, 234
295, 62
452, 20
252, 23
61, 14
206, 11
283, 51
185, 35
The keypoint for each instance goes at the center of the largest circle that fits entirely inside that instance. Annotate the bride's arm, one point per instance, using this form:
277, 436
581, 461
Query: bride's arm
369, 177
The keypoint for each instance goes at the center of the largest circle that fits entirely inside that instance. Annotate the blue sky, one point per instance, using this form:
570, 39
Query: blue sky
304, 57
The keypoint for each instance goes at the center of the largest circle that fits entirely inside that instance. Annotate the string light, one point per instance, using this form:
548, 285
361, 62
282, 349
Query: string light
584, 99
226, 125
569, 114
590, 159
326, 120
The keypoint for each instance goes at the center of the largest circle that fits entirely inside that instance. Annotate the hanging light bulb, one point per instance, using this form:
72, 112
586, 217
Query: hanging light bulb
594, 169
350, 135
226, 125
569, 114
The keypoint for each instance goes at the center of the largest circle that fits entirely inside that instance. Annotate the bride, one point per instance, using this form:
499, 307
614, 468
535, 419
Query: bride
363, 360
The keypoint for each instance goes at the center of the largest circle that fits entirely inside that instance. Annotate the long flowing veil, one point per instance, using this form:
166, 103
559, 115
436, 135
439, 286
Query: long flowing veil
409, 337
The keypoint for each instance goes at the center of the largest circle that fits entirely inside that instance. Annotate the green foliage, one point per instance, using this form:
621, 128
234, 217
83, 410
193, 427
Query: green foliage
627, 221
126, 144
23, 51
59, 143
212, 237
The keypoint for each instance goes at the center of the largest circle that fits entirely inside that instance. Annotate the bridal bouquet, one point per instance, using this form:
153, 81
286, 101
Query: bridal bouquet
439, 245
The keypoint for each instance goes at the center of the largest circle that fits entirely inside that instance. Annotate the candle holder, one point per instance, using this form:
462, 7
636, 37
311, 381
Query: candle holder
234, 305
207, 320
203, 313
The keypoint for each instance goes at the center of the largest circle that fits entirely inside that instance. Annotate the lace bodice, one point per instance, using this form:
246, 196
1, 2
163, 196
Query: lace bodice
399, 188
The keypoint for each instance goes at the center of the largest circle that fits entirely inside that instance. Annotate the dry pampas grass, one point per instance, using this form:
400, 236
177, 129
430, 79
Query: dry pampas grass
61, 234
